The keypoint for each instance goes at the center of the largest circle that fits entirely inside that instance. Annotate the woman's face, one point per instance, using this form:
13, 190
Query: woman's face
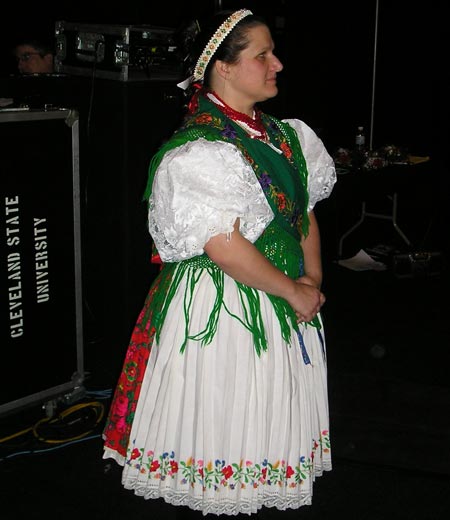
253, 78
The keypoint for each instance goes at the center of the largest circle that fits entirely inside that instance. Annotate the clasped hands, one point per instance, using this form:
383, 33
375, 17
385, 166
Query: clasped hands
308, 299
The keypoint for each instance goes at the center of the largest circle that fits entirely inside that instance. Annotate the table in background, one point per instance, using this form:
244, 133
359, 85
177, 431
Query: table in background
397, 198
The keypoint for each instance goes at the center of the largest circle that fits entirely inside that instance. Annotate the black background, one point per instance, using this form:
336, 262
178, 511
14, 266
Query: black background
328, 50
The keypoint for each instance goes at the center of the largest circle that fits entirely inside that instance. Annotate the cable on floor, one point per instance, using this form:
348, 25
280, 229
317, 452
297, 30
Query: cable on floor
73, 423
53, 430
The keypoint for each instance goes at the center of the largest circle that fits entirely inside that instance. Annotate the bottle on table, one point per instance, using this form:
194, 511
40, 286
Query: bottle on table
360, 139
359, 155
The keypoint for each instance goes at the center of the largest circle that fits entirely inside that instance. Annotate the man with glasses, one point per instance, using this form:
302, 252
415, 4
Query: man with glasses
34, 57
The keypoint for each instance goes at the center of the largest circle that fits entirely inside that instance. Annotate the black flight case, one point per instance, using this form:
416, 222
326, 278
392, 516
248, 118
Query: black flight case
40, 260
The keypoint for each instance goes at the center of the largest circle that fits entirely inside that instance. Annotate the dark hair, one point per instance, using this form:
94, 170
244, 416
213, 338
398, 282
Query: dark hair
43, 47
227, 51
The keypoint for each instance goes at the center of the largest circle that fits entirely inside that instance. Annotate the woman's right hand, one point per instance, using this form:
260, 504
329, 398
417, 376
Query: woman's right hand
306, 301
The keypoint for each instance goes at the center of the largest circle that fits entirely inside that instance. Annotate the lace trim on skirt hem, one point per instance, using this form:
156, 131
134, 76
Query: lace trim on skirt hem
225, 506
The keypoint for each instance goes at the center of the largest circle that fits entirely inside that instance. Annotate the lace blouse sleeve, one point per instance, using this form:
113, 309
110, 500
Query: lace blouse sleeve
199, 190
321, 169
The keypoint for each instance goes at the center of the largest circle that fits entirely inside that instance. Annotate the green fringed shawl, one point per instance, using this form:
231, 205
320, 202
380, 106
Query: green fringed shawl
284, 181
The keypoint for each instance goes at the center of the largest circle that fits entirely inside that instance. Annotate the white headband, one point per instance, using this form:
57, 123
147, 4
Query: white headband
205, 57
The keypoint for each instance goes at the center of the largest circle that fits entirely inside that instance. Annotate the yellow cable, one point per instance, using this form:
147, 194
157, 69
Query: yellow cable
61, 415
16, 434
97, 406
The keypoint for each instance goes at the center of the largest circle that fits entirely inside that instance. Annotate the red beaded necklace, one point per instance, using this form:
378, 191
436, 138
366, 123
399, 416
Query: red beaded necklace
254, 126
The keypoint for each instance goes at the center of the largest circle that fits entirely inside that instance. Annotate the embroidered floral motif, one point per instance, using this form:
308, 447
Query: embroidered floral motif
123, 407
229, 132
220, 473
203, 118
286, 149
265, 181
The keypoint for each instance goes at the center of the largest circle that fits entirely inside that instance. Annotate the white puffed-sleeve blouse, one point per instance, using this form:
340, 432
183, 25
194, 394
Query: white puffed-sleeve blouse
202, 187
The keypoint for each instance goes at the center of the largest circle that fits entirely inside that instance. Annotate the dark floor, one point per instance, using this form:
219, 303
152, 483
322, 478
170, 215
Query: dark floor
389, 389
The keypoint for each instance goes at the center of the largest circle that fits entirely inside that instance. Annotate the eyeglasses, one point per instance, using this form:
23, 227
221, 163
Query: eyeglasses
27, 55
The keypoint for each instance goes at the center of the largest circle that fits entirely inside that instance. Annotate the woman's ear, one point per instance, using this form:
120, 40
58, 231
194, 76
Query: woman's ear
222, 68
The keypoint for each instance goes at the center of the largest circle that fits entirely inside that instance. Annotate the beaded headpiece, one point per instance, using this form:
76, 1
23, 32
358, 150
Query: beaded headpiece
218, 37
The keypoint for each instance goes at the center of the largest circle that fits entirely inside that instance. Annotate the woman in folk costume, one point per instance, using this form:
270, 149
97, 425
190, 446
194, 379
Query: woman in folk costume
222, 402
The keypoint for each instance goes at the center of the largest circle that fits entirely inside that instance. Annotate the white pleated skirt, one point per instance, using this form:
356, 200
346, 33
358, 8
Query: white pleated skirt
220, 429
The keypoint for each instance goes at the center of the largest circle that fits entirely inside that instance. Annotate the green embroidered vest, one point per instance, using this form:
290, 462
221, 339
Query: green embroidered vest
283, 178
